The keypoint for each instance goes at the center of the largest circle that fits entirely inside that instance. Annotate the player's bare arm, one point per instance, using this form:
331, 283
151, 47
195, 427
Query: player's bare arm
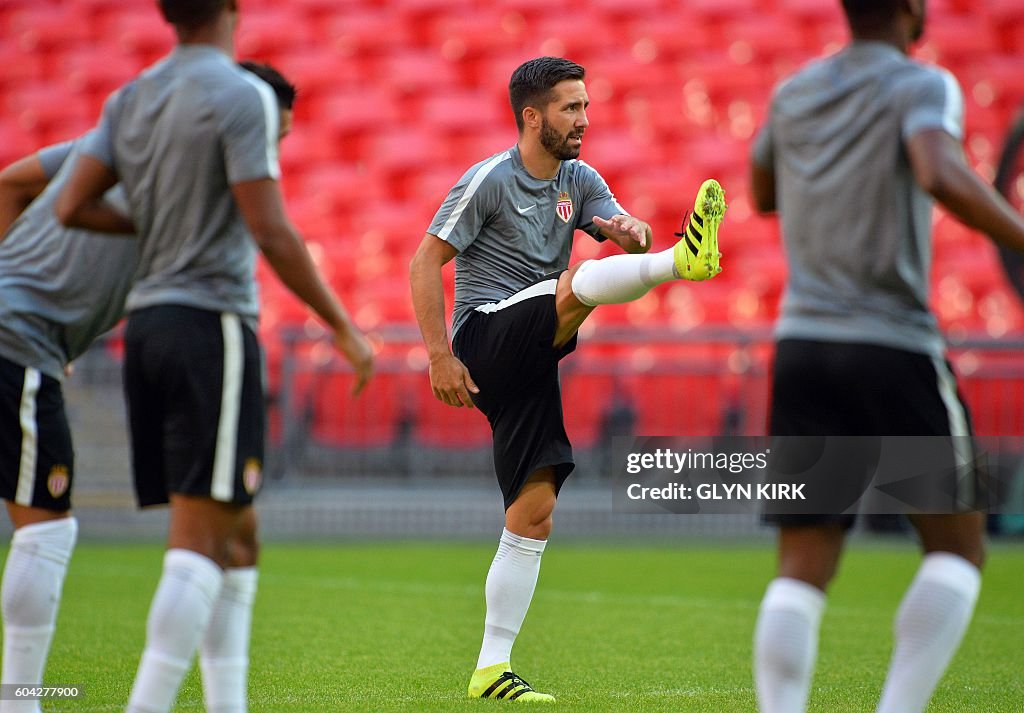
631, 234
81, 204
20, 183
262, 207
449, 377
762, 187
939, 166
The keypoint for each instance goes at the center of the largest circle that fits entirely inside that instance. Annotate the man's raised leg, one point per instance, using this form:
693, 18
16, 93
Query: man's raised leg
623, 278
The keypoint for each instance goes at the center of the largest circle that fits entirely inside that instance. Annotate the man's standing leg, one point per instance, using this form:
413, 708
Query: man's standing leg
936, 609
31, 592
511, 582
224, 651
37, 462
786, 635
189, 588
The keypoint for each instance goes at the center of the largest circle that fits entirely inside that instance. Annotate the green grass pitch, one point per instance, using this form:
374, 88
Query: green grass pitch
613, 627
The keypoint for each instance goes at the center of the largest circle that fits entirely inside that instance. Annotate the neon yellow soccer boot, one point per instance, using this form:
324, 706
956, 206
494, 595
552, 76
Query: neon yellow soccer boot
696, 253
499, 682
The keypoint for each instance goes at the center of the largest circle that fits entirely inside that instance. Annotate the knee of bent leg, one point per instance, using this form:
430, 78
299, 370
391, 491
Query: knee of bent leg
535, 523
540, 529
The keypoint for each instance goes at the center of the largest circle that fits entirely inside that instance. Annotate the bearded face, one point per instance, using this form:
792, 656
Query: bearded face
563, 146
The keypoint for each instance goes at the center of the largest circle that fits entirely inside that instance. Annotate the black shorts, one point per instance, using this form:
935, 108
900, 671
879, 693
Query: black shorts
848, 389
507, 347
193, 380
37, 461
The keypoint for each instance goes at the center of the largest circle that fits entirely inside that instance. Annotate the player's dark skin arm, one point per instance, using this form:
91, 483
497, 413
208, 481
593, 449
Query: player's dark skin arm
81, 204
940, 168
262, 207
762, 187
449, 377
20, 183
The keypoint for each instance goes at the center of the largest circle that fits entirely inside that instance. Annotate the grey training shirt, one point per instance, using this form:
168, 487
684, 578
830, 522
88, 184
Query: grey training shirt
855, 224
178, 137
60, 288
511, 228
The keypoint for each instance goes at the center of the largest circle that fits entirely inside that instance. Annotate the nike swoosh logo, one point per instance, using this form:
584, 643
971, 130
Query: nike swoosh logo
527, 209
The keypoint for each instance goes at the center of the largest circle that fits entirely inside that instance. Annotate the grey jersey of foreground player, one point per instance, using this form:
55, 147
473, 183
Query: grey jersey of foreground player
60, 288
854, 149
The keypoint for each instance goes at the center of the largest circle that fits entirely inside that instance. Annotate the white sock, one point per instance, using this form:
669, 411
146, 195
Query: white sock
929, 625
178, 617
509, 590
786, 644
224, 652
33, 579
622, 278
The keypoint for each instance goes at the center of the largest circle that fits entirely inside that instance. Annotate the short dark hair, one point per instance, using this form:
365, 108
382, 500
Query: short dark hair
533, 81
867, 15
190, 14
284, 89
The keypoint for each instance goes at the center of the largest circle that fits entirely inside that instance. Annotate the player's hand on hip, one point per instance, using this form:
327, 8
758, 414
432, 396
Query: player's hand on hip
625, 229
451, 382
359, 353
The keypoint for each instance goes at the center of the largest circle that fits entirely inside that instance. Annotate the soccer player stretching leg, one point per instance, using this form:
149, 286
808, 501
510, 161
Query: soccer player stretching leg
509, 225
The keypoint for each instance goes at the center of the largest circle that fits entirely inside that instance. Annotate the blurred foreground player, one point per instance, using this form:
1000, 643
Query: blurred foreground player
509, 224
193, 140
60, 288
855, 148
48, 322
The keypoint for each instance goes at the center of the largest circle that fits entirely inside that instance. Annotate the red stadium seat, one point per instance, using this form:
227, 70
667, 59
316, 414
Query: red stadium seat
98, 72
317, 71
20, 67
17, 141
719, 10
358, 111
670, 38
144, 35
589, 397
335, 190
421, 72
449, 111
340, 420
437, 425
51, 109
365, 32
955, 40
269, 32
50, 29
674, 404
812, 11
474, 33
764, 38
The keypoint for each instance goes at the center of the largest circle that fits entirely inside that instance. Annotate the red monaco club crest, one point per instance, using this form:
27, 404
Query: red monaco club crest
564, 207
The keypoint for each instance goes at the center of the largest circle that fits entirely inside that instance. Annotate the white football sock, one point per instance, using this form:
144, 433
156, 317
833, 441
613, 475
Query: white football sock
33, 579
929, 625
509, 590
786, 644
224, 652
178, 617
622, 278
